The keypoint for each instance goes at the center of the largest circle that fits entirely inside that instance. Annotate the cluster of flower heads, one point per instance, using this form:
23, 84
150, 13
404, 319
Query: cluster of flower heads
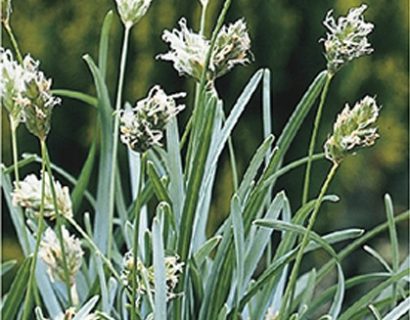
26, 93
353, 129
347, 38
189, 50
173, 269
142, 126
52, 254
131, 11
27, 194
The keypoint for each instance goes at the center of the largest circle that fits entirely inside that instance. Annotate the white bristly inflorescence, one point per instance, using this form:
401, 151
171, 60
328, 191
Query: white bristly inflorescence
188, 50
50, 252
12, 85
142, 126
173, 269
353, 129
27, 194
26, 93
347, 38
131, 11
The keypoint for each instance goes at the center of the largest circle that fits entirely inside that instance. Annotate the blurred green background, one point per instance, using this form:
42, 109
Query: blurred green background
285, 36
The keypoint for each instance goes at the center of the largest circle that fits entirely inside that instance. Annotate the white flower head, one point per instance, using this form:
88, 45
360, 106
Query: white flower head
12, 84
131, 11
188, 50
51, 253
173, 269
142, 127
353, 129
37, 101
347, 38
27, 194
232, 47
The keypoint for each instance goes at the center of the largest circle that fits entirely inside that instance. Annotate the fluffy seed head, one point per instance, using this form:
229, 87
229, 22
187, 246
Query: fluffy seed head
142, 127
347, 38
51, 253
131, 11
353, 130
232, 47
189, 50
173, 269
12, 85
38, 102
27, 194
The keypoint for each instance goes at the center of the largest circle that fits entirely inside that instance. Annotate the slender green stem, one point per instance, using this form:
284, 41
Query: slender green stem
13, 41
59, 229
284, 311
137, 212
115, 134
203, 18
27, 300
13, 129
313, 138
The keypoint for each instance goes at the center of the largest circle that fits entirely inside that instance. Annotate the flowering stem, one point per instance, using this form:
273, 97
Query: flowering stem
13, 129
59, 229
115, 134
13, 41
27, 300
203, 17
313, 139
283, 313
137, 212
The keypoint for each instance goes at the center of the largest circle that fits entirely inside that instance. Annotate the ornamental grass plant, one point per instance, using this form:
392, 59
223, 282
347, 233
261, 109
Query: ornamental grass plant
149, 256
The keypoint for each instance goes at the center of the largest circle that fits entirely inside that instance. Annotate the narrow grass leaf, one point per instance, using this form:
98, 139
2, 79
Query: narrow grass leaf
7, 266
76, 95
80, 187
364, 301
398, 311
285, 226
160, 298
223, 313
336, 306
159, 189
404, 216
296, 119
104, 41
375, 312
254, 166
239, 240
262, 237
393, 240
378, 257
86, 308
103, 220
18, 287
102, 283
326, 296
174, 166
308, 291
236, 112
205, 250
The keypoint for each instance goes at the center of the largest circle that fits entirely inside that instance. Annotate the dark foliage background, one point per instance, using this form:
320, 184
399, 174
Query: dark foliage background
285, 38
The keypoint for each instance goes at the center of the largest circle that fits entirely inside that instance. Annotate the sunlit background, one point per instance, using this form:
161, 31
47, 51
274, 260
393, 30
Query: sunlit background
285, 37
